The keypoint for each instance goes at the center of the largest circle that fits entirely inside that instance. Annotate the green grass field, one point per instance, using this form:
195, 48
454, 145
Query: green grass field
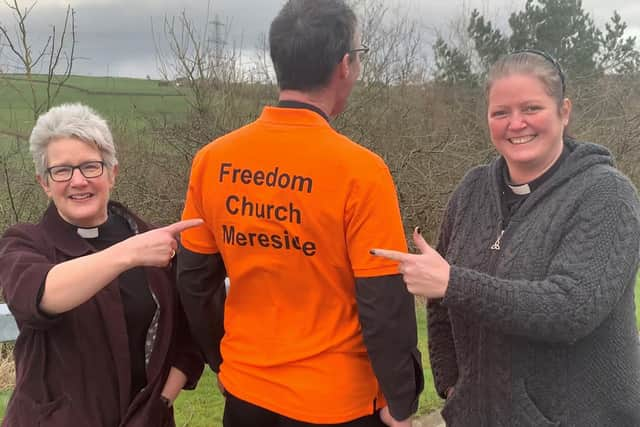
201, 407
125, 102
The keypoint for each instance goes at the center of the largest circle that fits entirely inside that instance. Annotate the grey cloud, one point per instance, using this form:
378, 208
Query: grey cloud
114, 36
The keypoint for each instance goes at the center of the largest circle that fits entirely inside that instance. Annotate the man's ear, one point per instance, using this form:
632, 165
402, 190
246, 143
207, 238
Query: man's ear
565, 111
345, 66
44, 183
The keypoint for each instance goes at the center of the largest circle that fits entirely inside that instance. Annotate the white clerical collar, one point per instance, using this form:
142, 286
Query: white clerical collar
88, 233
520, 190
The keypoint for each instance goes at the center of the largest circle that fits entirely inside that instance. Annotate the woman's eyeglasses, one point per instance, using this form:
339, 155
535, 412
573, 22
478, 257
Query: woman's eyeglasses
63, 173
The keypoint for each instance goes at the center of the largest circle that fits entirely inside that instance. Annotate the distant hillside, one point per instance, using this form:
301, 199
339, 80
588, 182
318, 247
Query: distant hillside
132, 100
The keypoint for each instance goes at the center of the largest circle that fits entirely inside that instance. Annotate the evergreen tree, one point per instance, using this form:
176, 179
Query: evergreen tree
452, 65
560, 27
489, 43
618, 54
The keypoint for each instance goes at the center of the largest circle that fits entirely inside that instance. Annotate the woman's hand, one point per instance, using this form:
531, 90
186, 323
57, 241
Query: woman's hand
155, 248
73, 282
426, 274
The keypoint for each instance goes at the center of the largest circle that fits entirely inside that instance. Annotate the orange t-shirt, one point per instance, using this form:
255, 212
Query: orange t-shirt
293, 207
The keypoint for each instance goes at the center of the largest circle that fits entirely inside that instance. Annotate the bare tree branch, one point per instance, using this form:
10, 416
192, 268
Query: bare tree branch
54, 49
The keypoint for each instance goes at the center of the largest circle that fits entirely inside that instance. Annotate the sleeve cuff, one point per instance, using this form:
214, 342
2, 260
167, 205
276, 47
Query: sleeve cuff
402, 408
25, 305
459, 293
191, 368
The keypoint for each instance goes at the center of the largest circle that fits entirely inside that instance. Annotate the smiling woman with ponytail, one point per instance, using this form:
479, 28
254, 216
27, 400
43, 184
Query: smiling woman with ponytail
531, 314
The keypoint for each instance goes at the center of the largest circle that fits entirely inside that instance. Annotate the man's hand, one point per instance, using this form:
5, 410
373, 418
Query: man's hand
449, 392
386, 418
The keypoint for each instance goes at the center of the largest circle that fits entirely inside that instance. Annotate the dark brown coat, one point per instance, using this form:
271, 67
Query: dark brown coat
74, 368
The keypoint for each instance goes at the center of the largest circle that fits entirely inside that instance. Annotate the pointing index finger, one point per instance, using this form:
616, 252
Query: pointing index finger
390, 254
178, 227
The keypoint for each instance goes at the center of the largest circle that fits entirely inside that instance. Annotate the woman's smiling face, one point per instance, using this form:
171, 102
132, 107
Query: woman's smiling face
80, 201
526, 125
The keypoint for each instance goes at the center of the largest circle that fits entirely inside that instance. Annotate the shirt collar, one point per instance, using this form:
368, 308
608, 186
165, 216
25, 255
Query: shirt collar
297, 104
65, 236
529, 187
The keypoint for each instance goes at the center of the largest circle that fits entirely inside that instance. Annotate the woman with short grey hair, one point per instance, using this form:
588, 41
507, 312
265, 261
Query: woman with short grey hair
66, 121
102, 337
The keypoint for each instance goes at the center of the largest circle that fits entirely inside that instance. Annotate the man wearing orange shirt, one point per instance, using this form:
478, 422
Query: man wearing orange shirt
316, 330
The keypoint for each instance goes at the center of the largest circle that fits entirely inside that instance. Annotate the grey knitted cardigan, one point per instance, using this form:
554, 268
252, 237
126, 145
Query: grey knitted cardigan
541, 332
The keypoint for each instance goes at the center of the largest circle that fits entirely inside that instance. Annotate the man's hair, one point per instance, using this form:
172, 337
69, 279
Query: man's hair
308, 39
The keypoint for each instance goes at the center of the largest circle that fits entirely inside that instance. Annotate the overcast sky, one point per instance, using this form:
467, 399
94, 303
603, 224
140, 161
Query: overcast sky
115, 36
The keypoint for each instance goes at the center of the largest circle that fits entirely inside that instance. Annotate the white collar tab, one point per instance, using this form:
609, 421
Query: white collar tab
520, 190
88, 233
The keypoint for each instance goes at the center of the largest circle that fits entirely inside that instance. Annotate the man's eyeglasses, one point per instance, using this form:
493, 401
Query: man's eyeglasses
64, 173
364, 49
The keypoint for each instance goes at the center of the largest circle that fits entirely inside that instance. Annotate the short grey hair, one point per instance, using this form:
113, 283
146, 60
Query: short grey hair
71, 121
